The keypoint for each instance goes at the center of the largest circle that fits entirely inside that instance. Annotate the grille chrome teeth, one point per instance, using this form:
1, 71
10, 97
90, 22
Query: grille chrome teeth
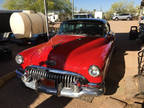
45, 75
71, 79
38, 74
68, 81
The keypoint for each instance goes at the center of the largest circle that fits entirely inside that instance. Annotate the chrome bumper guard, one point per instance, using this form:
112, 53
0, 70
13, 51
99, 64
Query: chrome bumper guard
92, 90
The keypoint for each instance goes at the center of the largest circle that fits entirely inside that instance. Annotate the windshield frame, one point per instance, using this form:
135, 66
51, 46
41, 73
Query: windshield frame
94, 23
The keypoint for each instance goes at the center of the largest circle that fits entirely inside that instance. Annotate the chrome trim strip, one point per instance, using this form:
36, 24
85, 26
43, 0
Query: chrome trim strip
19, 73
95, 84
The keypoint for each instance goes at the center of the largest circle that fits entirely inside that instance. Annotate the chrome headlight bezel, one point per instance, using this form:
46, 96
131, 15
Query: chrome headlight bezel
19, 59
94, 71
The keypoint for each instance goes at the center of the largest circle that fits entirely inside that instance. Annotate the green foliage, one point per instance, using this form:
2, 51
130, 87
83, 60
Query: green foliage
122, 6
108, 15
38, 5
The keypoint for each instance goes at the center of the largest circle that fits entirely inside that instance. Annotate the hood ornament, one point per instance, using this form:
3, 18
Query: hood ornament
50, 62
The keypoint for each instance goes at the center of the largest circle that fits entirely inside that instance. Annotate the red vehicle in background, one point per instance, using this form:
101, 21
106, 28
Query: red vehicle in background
73, 63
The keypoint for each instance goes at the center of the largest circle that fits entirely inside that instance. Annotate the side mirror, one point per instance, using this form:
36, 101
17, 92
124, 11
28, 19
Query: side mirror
53, 32
111, 36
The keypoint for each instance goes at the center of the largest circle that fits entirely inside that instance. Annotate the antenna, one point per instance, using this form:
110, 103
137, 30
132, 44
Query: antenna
46, 17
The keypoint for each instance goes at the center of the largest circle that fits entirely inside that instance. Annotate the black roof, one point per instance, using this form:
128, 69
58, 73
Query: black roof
9, 11
87, 19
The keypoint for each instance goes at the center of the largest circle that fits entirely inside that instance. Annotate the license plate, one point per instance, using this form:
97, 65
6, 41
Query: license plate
48, 83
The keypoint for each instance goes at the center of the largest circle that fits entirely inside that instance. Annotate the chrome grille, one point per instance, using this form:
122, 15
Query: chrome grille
38, 73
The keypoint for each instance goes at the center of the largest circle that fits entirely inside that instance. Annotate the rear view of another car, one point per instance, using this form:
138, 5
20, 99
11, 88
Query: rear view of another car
122, 17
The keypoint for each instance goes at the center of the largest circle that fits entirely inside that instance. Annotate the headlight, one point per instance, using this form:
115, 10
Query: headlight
19, 59
94, 71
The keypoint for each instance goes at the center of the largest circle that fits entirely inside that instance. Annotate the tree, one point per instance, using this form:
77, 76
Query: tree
122, 6
38, 5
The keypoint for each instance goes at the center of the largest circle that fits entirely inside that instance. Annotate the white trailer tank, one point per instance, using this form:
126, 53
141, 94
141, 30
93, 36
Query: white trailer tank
27, 23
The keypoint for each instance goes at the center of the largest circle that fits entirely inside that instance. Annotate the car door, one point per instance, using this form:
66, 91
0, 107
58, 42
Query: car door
121, 16
125, 16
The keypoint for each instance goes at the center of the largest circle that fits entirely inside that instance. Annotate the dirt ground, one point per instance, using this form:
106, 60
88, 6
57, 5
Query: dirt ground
120, 86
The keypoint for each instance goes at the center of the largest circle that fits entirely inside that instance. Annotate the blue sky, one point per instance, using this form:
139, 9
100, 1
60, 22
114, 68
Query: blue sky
98, 4
92, 4
1, 2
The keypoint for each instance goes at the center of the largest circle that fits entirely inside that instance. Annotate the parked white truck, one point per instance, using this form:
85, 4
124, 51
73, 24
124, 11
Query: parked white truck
53, 17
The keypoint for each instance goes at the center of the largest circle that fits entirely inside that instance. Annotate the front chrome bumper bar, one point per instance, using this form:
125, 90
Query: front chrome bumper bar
67, 92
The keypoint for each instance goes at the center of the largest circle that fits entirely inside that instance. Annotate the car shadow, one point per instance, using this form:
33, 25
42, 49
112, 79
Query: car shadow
55, 102
16, 95
117, 65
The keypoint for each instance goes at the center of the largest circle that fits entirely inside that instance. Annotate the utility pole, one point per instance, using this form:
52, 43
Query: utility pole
46, 17
72, 9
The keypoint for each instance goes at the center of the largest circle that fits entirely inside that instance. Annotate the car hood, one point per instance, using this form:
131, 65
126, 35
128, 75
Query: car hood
68, 52
74, 52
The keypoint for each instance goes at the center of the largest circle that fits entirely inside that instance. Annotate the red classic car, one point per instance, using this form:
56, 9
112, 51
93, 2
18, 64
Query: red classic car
73, 63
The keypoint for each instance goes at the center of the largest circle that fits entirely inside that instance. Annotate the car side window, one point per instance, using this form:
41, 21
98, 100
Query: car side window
78, 26
66, 28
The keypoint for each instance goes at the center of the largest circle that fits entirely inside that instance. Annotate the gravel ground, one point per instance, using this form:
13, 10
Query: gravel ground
120, 88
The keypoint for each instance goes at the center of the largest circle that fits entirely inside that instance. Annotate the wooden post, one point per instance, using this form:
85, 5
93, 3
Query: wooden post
72, 9
46, 17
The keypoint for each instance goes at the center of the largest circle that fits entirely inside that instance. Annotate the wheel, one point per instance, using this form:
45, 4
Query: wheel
128, 19
116, 19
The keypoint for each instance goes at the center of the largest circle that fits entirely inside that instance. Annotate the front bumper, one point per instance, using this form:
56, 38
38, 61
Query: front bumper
76, 91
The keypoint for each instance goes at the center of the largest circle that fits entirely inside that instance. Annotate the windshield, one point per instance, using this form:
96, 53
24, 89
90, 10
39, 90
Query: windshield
86, 28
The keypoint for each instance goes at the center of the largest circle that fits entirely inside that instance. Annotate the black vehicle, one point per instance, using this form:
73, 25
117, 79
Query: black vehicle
133, 34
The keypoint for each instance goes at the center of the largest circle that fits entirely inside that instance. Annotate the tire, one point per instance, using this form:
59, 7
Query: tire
116, 19
128, 19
